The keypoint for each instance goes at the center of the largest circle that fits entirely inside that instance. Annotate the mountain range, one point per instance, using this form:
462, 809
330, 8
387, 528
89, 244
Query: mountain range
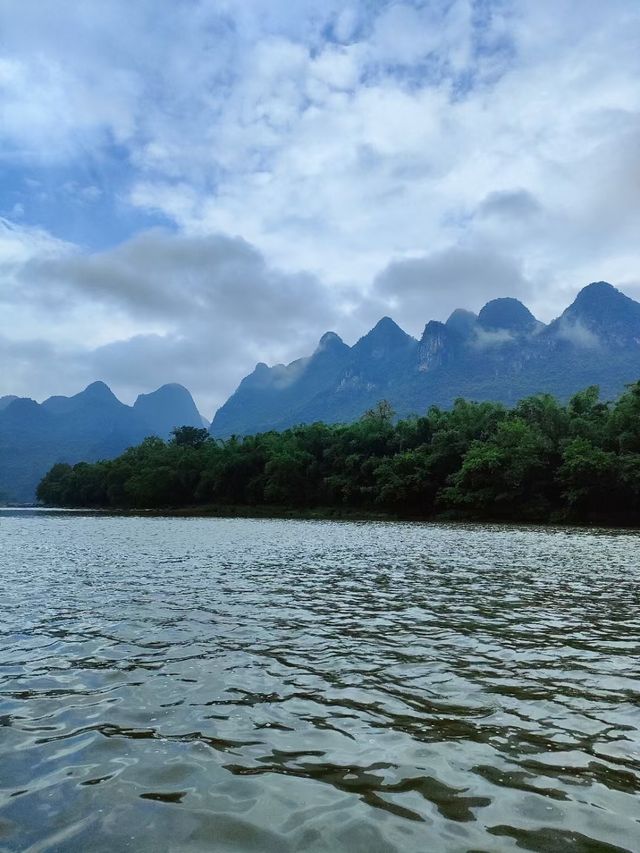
89, 426
503, 353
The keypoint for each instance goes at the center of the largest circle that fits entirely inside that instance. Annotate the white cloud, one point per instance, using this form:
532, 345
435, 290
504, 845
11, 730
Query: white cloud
20, 243
422, 156
389, 166
161, 307
577, 334
432, 286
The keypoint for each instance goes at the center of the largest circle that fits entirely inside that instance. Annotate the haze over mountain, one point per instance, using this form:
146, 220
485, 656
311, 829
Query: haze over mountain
502, 354
88, 426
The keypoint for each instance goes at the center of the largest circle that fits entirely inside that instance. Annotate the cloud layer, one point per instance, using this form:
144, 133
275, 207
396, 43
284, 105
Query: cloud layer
198, 310
311, 170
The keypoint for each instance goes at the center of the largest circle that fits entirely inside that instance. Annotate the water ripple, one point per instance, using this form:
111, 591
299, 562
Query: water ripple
197, 684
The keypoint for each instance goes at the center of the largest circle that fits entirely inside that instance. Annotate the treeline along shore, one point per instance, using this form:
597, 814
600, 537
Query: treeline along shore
538, 461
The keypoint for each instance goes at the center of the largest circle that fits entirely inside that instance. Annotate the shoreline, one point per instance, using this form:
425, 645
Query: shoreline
339, 514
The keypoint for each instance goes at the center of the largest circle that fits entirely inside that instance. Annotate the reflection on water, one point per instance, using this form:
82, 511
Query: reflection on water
210, 684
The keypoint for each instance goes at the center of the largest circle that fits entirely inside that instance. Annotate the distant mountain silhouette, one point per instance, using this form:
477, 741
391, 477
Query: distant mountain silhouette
170, 406
5, 401
509, 315
88, 426
263, 395
502, 354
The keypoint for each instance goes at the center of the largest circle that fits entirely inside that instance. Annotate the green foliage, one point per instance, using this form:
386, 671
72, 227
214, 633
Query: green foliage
509, 474
539, 460
382, 412
588, 475
189, 436
624, 423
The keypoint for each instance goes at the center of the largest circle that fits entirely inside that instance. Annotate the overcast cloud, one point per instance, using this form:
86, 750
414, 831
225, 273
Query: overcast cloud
190, 192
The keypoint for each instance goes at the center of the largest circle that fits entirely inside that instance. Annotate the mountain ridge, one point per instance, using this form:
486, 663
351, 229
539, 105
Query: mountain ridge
502, 353
90, 425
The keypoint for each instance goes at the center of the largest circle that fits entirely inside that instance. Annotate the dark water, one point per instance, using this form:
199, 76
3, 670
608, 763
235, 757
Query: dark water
205, 684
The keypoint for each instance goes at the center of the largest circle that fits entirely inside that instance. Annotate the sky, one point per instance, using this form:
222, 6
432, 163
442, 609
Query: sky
189, 188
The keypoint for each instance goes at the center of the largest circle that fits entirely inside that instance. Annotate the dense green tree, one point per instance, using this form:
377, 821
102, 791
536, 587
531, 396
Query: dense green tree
624, 421
545, 412
403, 482
588, 475
588, 417
53, 487
289, 478
189, 436
382, 412
539, 460
507, 475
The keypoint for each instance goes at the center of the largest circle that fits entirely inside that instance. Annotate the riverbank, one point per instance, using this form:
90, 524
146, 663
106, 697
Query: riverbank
266, 512
628, 521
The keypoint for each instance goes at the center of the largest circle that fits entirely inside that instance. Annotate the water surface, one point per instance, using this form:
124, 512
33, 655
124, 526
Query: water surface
171, 684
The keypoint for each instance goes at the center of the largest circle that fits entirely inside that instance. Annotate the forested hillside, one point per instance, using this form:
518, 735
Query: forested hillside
539, 460
502, 354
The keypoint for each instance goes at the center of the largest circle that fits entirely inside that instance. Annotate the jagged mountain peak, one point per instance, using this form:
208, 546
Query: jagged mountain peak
167, 407
95, 394
600, 314
330, 337
463, 322
387, 326
601, 300
330, 342
170, 389
21, 405
88, 426
433, 327
437, 345
97, 390
173, 386
7, 400
507, 314
97, 387
503, 354
386, 335
598, 289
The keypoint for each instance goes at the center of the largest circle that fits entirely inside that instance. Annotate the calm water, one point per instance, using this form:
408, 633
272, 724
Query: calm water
205, 684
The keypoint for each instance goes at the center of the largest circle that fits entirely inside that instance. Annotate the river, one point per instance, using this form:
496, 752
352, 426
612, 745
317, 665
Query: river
176, 684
